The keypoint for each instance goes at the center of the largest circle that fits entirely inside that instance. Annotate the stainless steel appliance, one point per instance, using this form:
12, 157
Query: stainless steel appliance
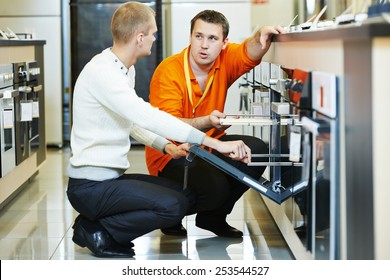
90, 24
272, 108
7, 120
325, 178
33, 73
42, 19
23, 112
91, 33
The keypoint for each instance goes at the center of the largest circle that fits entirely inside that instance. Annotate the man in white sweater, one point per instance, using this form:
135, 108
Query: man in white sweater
115, 207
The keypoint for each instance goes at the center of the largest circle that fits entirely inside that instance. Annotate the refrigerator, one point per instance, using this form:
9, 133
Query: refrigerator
177, 15
42, 19
90, 25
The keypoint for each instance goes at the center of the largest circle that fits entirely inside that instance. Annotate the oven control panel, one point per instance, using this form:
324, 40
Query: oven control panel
6, 75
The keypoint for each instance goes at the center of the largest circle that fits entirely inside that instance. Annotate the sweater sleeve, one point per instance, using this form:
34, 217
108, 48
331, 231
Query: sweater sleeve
148, 138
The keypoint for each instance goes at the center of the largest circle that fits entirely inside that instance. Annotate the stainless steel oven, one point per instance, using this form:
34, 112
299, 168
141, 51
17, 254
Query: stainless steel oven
23, 112
325, 180
33, 97
7, 120
303, 143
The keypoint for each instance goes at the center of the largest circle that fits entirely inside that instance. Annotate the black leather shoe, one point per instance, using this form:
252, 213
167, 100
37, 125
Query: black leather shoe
222, 230
99, 243
177, 230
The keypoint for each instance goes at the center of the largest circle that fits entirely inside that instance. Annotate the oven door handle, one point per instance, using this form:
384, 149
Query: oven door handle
10, 93
25, 89
315, 126
37, 88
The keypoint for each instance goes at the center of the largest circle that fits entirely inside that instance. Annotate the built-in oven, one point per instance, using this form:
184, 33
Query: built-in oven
323, 127
7, 120
275, 121
303, 150
23, 112
33, 98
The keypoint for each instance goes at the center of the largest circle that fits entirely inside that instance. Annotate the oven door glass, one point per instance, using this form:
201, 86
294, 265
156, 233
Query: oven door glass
325, 188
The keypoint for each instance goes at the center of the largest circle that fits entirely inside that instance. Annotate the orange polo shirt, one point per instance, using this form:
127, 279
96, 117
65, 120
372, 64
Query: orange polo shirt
168, 91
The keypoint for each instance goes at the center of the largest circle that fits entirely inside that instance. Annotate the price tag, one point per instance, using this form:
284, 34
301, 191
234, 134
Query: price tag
8, 118
26, 111
35, 109
295, 145
7, 94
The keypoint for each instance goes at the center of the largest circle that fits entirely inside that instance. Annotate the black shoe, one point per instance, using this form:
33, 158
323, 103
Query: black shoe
221, 229
99, 243
177, 230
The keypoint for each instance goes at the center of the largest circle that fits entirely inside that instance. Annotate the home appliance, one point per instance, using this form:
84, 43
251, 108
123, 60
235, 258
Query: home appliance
23, 112
7, 120
42, 19
90, 22
313, 97
323, 126
33, 82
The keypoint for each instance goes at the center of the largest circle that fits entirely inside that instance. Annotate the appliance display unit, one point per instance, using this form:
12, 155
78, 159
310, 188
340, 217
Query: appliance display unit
23, 112
7, 120
33, 72
91, 34
42, 19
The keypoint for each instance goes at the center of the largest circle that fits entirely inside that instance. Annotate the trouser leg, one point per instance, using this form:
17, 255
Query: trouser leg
237, 189
130, 206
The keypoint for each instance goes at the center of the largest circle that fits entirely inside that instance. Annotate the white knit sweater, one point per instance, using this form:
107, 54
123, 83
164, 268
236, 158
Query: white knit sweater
106, 110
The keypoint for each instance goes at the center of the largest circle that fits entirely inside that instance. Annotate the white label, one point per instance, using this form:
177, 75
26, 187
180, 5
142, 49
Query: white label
35, 109
7, 94
26, 109
257, 109
295, 146
8, 118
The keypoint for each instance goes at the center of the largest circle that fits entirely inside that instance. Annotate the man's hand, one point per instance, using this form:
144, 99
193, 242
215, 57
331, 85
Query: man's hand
236, 150
215, 120
177, 151
260, 41
266, 33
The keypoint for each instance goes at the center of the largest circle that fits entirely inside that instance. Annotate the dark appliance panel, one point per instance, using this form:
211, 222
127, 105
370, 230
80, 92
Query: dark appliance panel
21, 120
91, 34
324, 128
32, 79
7, 120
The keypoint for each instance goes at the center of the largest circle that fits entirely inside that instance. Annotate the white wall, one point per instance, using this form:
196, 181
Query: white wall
273, 12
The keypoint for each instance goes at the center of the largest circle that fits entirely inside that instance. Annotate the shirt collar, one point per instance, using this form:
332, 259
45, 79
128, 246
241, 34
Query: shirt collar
119, 63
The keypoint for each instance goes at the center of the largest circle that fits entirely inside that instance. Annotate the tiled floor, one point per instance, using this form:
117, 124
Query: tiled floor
36, 224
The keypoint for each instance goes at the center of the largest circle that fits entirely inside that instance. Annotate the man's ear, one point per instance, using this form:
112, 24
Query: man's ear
225, 42
140, 38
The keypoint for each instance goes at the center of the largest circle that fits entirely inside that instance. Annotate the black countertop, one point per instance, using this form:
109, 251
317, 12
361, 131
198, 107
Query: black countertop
10, 43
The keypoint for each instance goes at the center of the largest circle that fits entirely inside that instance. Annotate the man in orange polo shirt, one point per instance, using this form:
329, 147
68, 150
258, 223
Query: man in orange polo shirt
192, 86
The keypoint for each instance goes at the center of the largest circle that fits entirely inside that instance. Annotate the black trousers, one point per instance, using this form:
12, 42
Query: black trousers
130, 206
216, 191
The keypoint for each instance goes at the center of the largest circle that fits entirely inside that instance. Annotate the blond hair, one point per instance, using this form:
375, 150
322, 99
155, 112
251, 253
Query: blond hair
130, 19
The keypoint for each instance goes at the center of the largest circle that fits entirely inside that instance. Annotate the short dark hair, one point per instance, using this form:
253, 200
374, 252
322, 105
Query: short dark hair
211, 16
